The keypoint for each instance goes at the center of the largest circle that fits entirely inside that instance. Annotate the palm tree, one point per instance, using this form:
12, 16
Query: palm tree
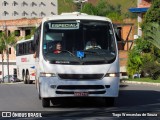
152, 34
8, 41
2, 48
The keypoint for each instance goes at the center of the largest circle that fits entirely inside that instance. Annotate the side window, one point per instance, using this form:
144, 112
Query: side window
37, 40
31, 47
24, 48
17, 49
20, 49
27, 47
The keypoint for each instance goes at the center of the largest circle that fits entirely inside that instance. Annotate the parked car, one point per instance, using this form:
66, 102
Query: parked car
137, 75
12, 78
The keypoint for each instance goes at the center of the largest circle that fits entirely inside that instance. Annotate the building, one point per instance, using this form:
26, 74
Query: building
21, 16
141, 9
17, 9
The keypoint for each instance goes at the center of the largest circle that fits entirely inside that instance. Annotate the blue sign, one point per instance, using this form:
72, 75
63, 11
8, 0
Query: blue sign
33, 67
80, 54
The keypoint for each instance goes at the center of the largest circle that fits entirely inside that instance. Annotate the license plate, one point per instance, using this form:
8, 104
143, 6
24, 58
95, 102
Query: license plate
80, 93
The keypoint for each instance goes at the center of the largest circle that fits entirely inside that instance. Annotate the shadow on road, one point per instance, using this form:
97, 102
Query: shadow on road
127, 98
131, 101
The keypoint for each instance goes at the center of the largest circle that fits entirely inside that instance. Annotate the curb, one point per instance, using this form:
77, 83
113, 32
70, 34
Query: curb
143, 83
11, 83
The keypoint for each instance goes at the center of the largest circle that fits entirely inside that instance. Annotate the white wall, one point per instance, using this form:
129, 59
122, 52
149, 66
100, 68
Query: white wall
47, 7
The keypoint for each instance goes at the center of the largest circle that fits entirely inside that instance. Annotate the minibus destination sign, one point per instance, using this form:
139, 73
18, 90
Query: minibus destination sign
63, 25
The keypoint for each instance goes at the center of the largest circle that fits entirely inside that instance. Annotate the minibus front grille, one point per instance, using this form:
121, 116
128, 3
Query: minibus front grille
74, 87
90, 89
92, 92
81, 76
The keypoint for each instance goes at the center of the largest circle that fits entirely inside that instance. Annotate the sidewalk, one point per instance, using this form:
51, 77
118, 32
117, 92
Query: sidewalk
11, 83
144, 83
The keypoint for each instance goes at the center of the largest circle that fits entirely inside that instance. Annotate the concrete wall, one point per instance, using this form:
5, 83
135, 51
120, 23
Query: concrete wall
16, 9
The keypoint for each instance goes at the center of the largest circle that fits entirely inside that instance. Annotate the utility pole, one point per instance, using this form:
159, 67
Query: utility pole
80, 2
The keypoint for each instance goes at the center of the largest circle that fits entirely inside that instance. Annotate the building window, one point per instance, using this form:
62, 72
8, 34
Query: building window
14, 3
52, 13
17, 33
24, 3
33, 4
15, 13
24, 13
9, 33
27, 32
33, 13
42, 14
5, 13
4, 3
53, 4
42, 4
9, 50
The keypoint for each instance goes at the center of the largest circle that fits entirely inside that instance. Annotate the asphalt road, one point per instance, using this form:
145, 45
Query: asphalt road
132, 98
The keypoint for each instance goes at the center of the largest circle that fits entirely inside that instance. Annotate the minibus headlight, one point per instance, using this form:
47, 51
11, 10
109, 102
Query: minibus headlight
112, 75
47, 74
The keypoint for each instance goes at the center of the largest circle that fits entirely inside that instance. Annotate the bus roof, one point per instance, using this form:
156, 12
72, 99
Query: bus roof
75, 16
25, 40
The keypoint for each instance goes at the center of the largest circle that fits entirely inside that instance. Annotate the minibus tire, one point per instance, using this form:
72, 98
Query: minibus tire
109, 101
45, 102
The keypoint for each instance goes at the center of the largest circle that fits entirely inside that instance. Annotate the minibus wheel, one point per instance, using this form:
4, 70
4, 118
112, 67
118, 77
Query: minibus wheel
109, 101
45, 102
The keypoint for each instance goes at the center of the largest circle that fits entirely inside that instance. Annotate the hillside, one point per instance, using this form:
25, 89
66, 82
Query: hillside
69, 6
126, 4
66, 6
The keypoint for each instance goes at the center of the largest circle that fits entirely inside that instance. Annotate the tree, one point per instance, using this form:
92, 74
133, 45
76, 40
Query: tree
2, 48
7, 41
152, 34
89, 9
103, 8
153, 14
114, 16
151, 38
134, 62
151, 22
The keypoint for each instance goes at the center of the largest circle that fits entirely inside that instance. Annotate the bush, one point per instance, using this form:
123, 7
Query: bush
152, 68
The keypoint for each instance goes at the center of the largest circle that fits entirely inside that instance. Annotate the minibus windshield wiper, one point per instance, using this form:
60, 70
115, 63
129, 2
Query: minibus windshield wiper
96, 53
80, 61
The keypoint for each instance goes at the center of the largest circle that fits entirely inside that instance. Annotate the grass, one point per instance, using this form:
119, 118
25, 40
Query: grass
66, 6
144, 80
69, 6
126, 4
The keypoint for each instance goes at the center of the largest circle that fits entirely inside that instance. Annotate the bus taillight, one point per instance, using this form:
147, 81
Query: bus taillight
33, 74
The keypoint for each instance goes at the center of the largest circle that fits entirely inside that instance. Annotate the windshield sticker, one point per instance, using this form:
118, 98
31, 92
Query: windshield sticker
80, 54
63, 25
